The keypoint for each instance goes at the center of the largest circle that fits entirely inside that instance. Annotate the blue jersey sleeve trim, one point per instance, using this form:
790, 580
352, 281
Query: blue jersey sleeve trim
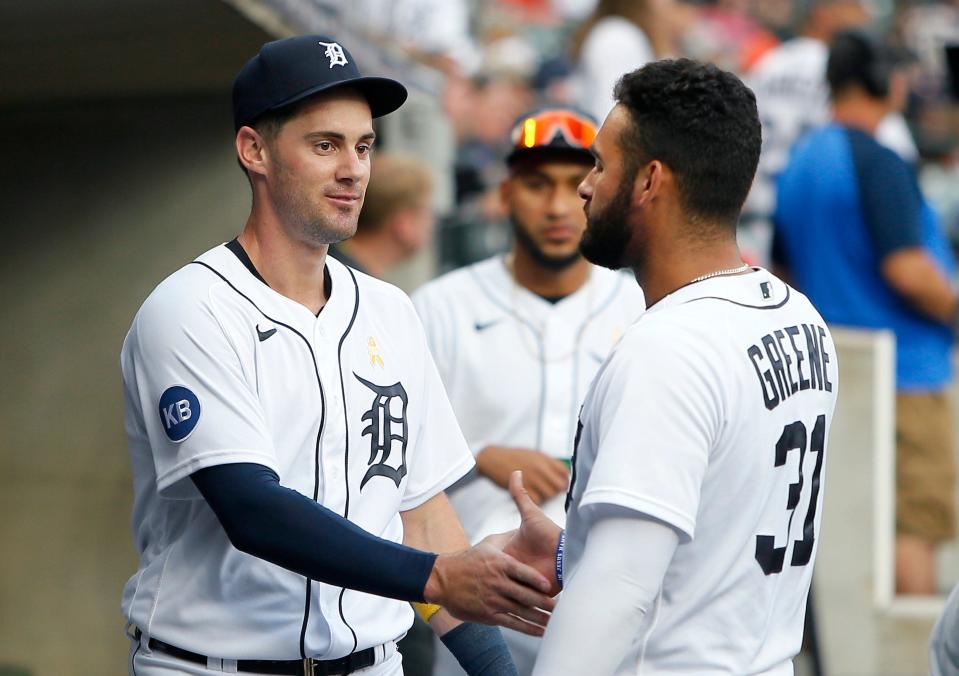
888, 194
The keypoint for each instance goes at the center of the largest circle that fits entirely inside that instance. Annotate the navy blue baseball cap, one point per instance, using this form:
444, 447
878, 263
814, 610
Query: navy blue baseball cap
289, 70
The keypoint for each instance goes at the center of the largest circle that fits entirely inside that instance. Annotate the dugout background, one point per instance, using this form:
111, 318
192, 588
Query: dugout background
116, 169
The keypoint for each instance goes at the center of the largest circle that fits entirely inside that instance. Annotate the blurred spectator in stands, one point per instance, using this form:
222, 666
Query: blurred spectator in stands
483, 109
397, 217
620, 36
926, 28
860, 240
725, 33
929, 30
777, 16
553, 83
793, 98
436, 32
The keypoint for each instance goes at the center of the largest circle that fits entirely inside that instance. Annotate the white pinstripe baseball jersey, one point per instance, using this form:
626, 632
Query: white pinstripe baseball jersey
516, 367
712, 415
346, 407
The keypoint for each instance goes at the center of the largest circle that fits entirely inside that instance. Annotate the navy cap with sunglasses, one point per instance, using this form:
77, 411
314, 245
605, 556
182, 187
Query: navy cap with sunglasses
552, 131
289, 70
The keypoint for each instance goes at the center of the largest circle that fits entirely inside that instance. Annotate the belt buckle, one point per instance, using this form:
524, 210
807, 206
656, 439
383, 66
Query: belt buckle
313, 667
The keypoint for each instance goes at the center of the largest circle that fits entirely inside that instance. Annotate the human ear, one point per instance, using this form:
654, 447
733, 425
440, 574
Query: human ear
648, 183
251, 150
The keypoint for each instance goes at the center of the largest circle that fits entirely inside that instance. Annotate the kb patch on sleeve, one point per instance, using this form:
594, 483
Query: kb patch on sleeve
179, 412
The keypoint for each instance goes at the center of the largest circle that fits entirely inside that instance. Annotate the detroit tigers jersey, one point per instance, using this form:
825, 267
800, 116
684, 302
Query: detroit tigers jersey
346, 407
516, 367
712, 414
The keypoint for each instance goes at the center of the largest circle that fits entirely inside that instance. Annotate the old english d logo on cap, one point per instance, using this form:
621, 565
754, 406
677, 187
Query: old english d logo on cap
334, 53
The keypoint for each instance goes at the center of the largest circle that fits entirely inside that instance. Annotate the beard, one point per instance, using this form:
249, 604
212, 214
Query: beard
543, 259
607, 232
309, 224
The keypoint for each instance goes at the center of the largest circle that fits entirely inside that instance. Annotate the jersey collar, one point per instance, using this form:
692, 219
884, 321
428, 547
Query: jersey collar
758, 288
231, 261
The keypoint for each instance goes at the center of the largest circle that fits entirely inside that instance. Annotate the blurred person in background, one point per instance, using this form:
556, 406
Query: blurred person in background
435, 32
793, 98
859, 239
726, 33
518, 337
397, 218
931, 31
482, 109
620, 36
926, 28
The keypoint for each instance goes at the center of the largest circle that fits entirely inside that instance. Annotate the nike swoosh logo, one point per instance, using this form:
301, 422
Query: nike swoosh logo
482, 326
263, 335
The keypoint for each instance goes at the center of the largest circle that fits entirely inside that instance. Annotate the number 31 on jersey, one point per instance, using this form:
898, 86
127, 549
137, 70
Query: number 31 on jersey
795, 438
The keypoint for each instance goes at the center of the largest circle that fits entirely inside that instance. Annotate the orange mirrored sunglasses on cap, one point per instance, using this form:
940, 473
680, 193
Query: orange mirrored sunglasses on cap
541, 130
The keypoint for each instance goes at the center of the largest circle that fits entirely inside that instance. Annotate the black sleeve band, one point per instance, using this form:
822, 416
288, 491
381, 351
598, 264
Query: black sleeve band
480, 650
279, 525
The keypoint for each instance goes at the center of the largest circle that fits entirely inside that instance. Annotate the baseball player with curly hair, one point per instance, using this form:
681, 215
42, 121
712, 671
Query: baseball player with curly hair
290, 436
518, 357
697, 483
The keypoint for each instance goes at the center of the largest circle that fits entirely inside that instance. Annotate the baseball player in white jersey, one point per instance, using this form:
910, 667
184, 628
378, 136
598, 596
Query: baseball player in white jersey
289, 433
517, 338
694, 503
793, 99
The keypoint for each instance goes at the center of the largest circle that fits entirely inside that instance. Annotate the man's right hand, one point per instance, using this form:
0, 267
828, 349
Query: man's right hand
482, 584
543, 475
535, 541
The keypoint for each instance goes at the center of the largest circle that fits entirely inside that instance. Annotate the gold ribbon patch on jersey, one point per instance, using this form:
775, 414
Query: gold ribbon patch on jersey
374, 351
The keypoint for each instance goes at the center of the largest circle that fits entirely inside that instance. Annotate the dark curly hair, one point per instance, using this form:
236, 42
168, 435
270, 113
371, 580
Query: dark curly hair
702, 123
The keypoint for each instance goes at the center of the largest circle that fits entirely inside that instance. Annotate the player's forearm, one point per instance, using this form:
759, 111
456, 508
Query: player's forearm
279, 525
914, 275
602, 606
434, 526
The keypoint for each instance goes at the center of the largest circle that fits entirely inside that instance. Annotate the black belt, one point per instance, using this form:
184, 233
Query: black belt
305, 667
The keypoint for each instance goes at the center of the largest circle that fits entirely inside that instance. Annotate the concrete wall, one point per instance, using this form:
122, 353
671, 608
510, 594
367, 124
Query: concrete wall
100, 202
863, 628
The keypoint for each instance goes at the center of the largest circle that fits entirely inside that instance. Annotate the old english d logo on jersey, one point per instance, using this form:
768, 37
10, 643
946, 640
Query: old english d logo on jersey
386, 428
334, 53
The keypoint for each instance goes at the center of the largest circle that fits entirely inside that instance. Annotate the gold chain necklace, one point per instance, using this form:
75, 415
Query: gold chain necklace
720, 273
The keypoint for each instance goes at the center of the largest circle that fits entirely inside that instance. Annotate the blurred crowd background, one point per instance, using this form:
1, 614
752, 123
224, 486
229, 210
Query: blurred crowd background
119, 167
495, 60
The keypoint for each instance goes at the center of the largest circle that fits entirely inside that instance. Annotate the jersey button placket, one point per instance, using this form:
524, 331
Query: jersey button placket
332, 443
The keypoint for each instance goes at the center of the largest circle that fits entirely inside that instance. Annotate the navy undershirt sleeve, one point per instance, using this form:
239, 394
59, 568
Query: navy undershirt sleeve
888, 194
480, 650
279, 525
